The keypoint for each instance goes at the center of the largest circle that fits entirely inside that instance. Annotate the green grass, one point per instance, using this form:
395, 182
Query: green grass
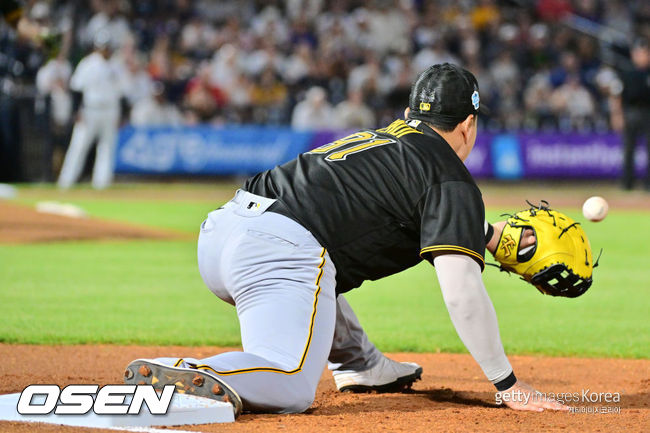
150, 292
110, 292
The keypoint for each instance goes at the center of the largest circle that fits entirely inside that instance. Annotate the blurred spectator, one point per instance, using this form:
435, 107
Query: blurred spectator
537, 100
155, 110
135, 80
264, 57
52, 83
314, 112
20, 59
485, 14
573, 104
504, 71
429, 28
568, 66
226, 67
353, 113
203, 99
297, 66
108, 18
588, 61
160, 67
239, 97
383, 15
270, 25
308, 9
301, 33
538, 52
610, 86
553, 9
268, 95
369, 76
432, 53
198, 38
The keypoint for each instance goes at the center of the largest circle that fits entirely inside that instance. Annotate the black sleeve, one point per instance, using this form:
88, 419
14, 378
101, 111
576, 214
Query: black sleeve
453, 221
489, 232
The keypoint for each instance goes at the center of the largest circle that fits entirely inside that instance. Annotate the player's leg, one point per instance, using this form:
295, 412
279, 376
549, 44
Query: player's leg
351, 348
104, 161
75, 157
282, 282
646, 131
631, 133
357, 365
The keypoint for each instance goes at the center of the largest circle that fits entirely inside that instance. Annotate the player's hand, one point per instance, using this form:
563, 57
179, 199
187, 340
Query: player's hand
528, 237
522, 396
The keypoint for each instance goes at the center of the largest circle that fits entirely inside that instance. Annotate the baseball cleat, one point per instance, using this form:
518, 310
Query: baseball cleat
187, 381
386, 376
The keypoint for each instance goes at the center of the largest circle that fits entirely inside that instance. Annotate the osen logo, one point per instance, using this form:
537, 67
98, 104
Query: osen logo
80, 399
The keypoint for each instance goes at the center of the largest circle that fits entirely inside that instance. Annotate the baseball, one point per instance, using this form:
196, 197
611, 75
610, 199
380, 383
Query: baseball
595, 209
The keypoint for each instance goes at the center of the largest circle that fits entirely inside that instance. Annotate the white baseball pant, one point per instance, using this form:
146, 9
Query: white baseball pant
95, 124
282, 282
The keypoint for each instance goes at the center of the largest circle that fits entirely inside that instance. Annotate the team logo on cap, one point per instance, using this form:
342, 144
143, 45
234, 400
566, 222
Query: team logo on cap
425, 106
476, 99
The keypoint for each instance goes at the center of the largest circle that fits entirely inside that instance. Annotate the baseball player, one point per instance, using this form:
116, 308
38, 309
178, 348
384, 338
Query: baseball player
295, 238
98, 80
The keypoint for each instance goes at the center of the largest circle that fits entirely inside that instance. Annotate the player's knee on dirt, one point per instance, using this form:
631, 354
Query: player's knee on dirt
298, 405
295, 398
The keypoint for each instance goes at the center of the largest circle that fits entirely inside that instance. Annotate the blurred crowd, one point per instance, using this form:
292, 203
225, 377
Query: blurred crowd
331, 64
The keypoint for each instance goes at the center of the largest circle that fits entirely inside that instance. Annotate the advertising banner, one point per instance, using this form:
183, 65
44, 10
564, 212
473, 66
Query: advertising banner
244, 150
207, 150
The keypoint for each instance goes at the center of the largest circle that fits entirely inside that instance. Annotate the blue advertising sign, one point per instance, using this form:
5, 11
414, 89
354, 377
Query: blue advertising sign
207, 150
506, 157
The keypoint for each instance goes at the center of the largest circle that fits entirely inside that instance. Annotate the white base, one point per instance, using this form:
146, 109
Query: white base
184, 409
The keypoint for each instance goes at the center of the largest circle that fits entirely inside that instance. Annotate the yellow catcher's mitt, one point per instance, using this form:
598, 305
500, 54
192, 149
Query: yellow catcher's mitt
560, 262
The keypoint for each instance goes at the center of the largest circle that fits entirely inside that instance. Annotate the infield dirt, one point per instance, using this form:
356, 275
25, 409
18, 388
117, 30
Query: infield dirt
23, 224
452, 396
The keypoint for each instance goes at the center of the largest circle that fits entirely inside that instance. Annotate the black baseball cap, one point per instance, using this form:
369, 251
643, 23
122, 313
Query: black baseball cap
445, 92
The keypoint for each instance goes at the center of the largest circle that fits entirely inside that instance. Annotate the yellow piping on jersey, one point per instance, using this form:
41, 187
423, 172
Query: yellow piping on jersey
305, 351
399, 128
453, 248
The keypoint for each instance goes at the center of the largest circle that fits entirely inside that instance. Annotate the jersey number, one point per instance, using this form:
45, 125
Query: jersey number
357, 142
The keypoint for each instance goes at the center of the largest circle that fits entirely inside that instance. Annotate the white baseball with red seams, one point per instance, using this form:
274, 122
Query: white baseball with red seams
595, 208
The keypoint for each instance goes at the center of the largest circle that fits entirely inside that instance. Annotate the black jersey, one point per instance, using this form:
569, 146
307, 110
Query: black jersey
636, 88
380, 200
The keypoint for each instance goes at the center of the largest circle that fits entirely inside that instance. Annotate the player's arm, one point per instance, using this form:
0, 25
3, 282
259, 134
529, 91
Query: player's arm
453, 236
473, 315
